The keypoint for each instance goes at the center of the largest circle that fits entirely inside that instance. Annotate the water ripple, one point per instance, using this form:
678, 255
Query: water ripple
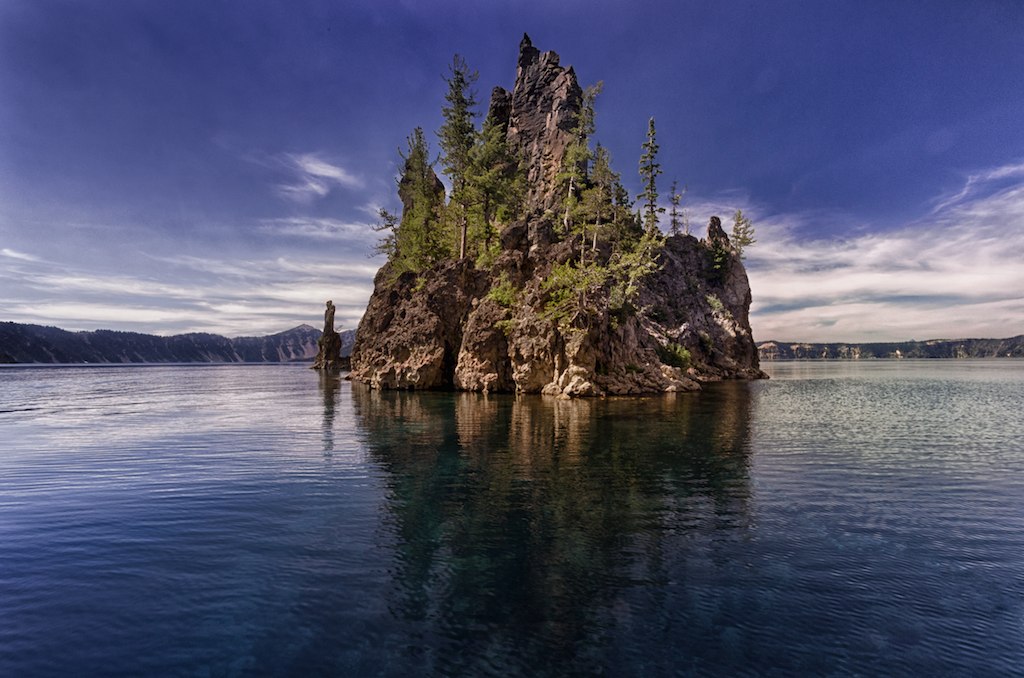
838, 519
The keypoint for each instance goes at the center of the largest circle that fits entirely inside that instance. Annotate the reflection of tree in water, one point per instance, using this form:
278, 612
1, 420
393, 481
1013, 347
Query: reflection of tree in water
521, 522
329, 385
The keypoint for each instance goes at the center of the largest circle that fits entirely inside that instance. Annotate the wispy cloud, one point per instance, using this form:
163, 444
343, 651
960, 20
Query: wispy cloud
975, 182
371, 209
314, 177
183, 293
281, 266
956, 274
320, 228
12, 254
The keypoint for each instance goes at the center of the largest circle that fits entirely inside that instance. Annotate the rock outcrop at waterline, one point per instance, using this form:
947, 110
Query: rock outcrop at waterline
328, 355
451, 327
446, 332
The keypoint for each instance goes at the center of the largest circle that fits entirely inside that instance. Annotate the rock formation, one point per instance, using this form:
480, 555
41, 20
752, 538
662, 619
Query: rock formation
476, 328
542, 111
328, 356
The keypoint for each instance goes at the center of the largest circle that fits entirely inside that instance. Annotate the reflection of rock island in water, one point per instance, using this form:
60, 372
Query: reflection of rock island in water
530, 517
329, 387
484, 322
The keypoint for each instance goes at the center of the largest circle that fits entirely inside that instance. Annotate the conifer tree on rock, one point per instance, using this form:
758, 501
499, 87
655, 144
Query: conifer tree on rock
458, 137
650, 168
493, 181
675, 215
419, 240
742, 233
578, 156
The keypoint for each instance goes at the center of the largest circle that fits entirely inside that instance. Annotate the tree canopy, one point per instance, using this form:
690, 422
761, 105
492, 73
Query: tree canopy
458, 137
742, 233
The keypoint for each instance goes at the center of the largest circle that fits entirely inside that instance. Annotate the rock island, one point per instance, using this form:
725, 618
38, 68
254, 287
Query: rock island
537, 273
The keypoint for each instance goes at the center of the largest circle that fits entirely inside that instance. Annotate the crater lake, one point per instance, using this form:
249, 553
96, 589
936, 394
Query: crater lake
841, 518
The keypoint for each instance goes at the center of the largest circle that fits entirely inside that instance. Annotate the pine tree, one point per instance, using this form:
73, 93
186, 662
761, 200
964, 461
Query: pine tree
675, 215
742, 233
458, 136
388, 244
596, 205
419, 240
493, 179
649, 171
578, 155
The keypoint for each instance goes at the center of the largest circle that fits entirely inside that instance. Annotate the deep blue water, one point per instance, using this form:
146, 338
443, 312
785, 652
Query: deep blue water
843, 519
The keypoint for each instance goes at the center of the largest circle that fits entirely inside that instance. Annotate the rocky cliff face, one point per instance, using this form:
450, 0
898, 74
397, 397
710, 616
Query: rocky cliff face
411, 334
474, 329
542, 111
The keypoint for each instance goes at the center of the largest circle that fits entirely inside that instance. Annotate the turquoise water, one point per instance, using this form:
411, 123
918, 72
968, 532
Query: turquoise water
841, 518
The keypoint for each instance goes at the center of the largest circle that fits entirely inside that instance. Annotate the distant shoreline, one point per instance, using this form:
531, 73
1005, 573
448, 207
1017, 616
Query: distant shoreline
931, 349
885, 360
22, 344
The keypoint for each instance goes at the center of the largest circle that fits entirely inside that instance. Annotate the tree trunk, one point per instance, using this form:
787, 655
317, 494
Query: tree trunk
462, 229
565, 218
488, 227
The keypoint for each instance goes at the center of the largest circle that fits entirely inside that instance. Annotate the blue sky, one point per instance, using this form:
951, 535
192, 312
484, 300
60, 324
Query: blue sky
215, 165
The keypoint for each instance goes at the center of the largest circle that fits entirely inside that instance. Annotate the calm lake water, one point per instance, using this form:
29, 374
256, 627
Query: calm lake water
840, 518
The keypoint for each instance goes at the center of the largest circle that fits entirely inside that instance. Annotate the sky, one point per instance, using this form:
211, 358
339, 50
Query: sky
216, 165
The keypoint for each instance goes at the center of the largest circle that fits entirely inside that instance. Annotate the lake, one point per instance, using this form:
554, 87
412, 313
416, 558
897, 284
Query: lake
841, 518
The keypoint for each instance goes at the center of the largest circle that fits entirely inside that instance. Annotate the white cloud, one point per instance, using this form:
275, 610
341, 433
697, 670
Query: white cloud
189, 294
97, 315
314, 166
314, 178
371, 209
976, 181
108, 285
958, 274
288, 268
321, 228
879, 320
12, 254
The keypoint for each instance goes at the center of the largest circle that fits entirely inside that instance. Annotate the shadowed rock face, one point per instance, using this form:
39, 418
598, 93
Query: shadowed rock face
411, 333
440, 329
704, 309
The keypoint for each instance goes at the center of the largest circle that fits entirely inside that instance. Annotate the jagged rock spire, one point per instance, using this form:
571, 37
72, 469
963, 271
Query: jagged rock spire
500, 107
716, 234
545, 102
527, 52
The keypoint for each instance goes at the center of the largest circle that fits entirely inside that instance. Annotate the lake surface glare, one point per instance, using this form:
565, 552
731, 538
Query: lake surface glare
838, 519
